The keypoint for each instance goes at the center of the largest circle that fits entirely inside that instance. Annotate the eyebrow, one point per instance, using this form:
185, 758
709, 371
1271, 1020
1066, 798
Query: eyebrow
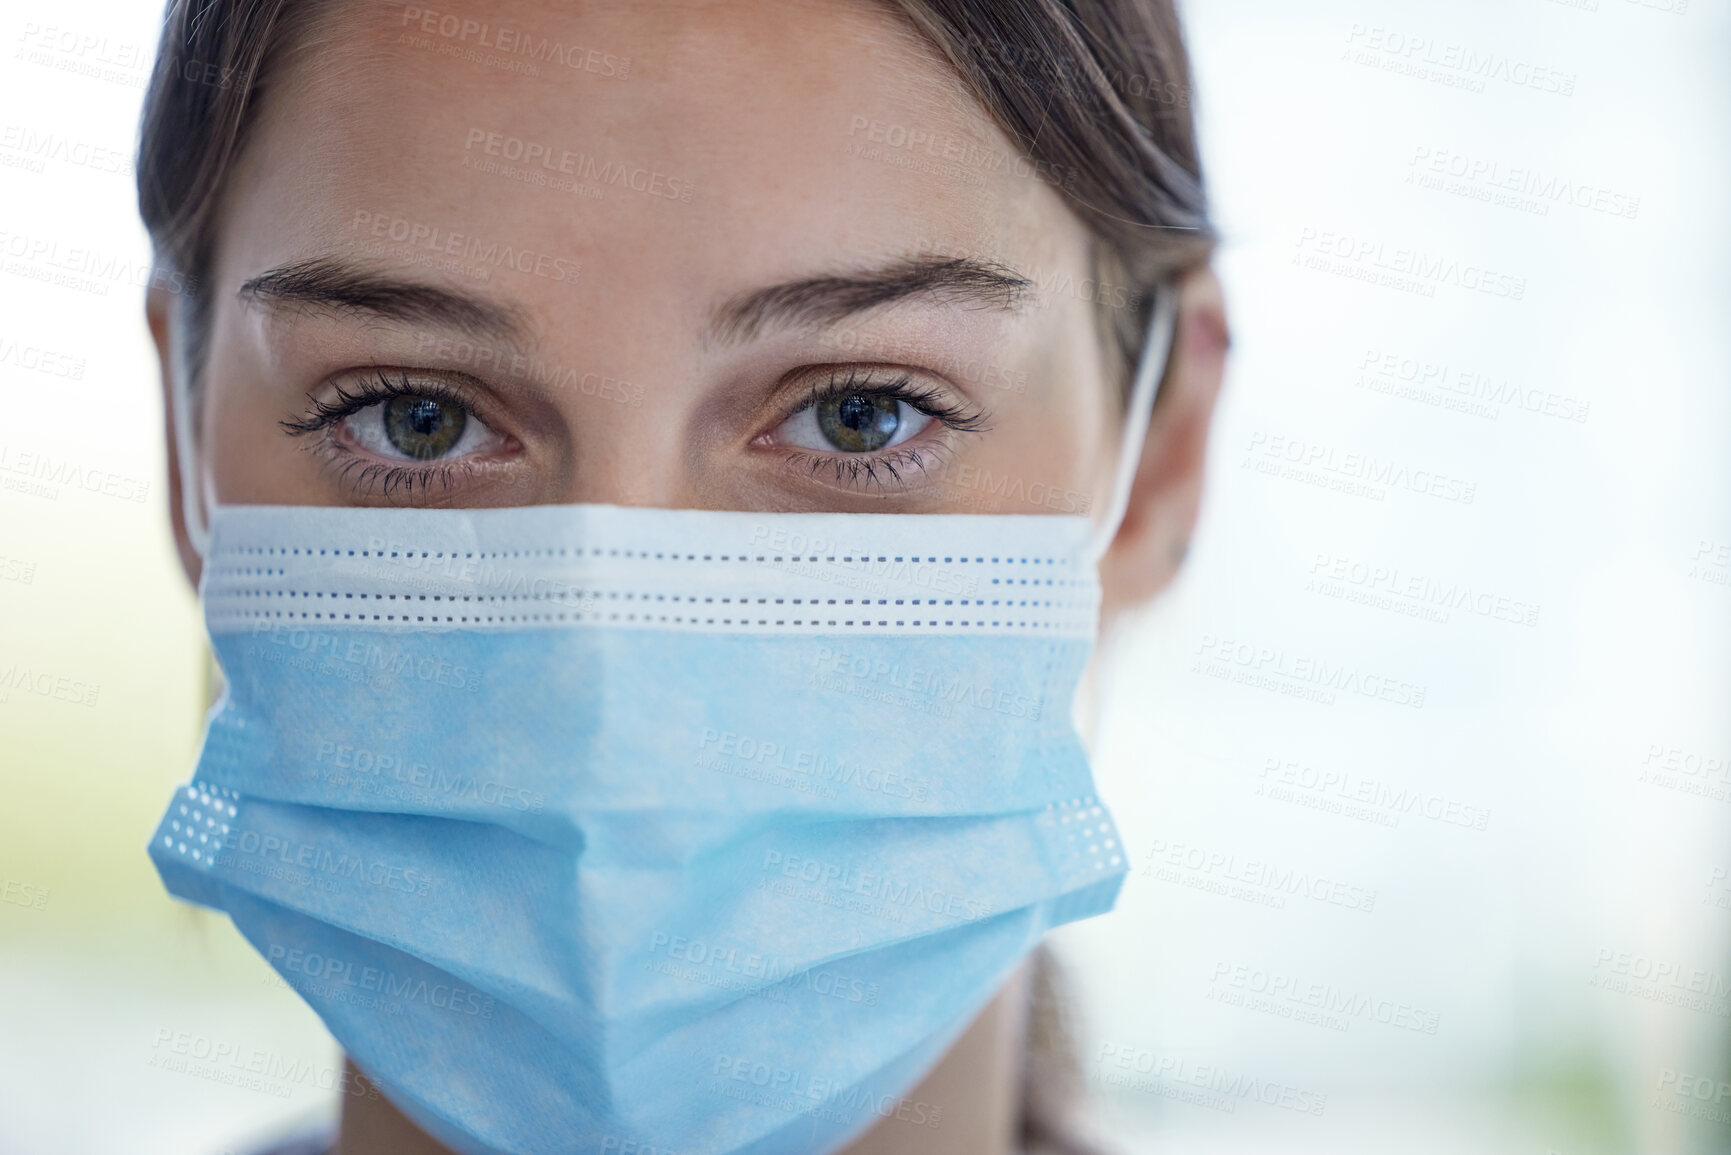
342, 287
823, 301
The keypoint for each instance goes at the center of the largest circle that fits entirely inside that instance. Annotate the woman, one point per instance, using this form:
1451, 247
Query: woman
528, 364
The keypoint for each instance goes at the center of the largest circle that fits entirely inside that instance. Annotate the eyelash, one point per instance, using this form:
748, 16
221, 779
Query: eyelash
323, 416
864, 469
859, 469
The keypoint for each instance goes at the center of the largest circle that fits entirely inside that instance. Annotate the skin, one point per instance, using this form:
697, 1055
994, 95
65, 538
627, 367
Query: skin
753, 107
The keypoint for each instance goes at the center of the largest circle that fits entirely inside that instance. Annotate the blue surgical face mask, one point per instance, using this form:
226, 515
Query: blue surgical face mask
588, 828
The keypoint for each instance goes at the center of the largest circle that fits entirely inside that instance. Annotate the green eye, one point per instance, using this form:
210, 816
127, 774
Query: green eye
423, 428
858, 422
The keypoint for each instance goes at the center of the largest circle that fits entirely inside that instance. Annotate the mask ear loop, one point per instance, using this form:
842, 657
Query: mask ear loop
186, 454
1150, 368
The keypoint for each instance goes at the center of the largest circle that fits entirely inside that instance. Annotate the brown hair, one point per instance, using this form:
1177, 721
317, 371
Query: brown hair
212, 69
1096, 93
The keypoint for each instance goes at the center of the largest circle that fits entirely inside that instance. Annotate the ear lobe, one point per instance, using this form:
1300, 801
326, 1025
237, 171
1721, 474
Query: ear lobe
1166, 491
158, 314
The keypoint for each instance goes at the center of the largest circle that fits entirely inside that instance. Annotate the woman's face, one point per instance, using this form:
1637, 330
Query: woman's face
738, 256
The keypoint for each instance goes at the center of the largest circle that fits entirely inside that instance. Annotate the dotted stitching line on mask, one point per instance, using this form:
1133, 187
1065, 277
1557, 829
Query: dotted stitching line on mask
642, 555
674, 619
220, 575
691, 599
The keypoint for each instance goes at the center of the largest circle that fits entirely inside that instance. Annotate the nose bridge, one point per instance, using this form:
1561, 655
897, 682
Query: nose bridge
630, 356
627, 428
624, 483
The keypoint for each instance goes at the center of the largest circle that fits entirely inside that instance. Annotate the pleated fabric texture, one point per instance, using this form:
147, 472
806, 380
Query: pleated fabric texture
586, 826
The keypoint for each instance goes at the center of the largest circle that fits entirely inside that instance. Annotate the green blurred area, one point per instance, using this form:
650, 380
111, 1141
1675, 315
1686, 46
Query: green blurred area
107, 975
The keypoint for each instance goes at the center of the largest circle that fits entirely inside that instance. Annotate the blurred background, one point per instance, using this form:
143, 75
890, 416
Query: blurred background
1425, 763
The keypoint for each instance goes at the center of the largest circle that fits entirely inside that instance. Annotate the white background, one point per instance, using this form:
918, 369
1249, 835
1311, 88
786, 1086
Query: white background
1319, 129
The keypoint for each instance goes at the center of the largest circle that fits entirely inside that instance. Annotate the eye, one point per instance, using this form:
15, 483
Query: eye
398, 432
423, 428
853, 421
411, 426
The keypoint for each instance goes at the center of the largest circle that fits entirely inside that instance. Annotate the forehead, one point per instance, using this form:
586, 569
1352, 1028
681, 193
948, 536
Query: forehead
682, 148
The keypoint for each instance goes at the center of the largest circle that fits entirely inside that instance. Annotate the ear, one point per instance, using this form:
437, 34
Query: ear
1167, 488
159, 306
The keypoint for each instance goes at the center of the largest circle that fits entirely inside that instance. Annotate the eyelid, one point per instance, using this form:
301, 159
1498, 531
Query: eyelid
896, 381
904, 466
380, 388
365, 472
950, 408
